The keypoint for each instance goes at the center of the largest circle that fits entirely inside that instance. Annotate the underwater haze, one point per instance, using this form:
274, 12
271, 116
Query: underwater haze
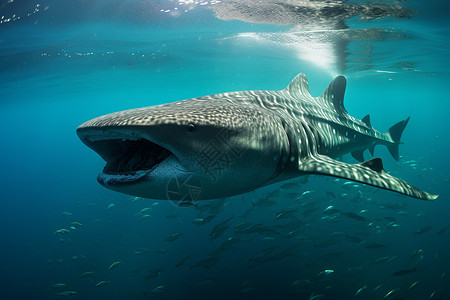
63, 62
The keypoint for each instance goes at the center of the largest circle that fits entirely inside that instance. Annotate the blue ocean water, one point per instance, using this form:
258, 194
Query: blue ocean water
65, 62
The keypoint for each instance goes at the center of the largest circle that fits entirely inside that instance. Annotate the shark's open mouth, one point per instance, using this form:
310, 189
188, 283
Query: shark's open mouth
127, 157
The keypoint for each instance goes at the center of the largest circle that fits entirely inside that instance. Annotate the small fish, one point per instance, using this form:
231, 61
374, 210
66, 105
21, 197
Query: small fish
301, 282
354, 216
423, 230
86, 274
404, 272
416, 253
286, 213
76, 224
413, 285
153, 273
382, 260
66, 213
392, 225
142, 251
243, 225
330, 210
182, 261
261, 202
115, 264
442, 230
377, 288
331, 194
143, 217
289, 185
304, 194
58, 285
173, 237
203, 221
184, 204
102, 283
136, 199
315, 297
144, 211
392, 258
67, 293
390, 293
360, 290
162, 251
110, 206
219, 229
325, 272
62, 231
159, 289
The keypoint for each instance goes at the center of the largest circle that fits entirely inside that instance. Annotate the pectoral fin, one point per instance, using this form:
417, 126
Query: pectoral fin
370, 172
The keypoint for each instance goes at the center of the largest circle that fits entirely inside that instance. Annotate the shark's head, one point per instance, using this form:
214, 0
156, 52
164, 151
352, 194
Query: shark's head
188, 150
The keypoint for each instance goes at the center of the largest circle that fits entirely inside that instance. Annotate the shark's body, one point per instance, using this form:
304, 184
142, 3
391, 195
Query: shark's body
226, 144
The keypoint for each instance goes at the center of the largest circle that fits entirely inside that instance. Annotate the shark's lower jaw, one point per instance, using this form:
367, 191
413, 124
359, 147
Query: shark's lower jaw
109, 180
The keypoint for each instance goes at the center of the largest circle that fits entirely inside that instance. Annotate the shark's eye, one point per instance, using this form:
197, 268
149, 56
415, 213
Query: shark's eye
190, 127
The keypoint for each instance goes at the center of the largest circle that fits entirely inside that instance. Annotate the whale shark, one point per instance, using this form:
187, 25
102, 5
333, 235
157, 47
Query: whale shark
228, 144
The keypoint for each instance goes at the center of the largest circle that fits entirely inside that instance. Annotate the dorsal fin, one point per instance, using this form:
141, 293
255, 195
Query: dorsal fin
375, 164
335, 94
366, 120
299, 86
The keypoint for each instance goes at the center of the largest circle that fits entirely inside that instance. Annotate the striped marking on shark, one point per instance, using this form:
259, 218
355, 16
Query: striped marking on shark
227, 144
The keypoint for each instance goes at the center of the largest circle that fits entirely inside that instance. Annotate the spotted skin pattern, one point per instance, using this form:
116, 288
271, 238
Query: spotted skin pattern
324, 130
319, 129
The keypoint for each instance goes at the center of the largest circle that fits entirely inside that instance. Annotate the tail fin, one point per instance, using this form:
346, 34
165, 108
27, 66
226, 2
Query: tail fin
395, 133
